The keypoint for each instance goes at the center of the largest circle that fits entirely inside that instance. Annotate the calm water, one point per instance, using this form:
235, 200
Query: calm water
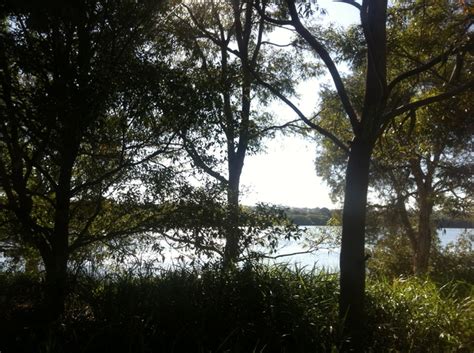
329, 256
326, 256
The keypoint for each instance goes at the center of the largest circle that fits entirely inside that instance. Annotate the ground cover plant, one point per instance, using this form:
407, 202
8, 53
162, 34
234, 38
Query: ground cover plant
254, 309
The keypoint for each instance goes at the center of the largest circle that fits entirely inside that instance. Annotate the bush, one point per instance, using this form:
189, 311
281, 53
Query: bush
20, 297
414, 315
455, 262
255, 309
391, 257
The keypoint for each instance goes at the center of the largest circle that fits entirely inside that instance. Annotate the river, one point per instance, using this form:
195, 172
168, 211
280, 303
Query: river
328, 257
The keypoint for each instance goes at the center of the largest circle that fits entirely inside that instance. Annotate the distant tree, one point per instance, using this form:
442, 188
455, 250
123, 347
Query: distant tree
309, 216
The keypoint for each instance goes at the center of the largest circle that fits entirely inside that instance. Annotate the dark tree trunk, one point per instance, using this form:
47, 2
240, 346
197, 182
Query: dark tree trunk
232, 248
56, 260
55, 286
424, 239
352, 260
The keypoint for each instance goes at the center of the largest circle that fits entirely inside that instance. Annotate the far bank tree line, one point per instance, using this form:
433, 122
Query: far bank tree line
324, 216
110, 108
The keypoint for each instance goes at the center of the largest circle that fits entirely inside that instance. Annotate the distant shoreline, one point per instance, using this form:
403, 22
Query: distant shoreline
437, 227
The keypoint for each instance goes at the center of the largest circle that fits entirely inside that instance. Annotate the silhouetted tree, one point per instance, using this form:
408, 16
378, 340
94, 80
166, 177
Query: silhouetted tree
379, 107
76, 115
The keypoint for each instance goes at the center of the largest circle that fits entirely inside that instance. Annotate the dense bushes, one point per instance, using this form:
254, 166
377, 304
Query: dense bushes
455, 262
414, 315
187, 311
256, 309
392, 257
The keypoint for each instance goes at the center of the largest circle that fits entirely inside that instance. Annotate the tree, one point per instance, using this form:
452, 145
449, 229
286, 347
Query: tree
77, 115
380, 106
420, 159
226, 45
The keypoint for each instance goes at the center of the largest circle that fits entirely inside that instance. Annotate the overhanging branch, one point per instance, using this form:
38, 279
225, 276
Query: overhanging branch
331, 66
423, 102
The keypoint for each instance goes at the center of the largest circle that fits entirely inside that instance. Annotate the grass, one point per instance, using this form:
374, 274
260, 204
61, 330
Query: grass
255, 309
415, 315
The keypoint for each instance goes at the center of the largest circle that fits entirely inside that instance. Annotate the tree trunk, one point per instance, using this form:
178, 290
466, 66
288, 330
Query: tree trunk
56, 259
352, 260
55, 289
232, 249
421, 251
424, 239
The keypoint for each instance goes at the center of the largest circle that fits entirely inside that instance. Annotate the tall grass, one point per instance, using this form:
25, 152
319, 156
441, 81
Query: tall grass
258, 309
415, 315
254, 309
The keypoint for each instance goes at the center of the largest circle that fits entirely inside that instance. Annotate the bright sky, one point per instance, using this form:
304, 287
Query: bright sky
285, 174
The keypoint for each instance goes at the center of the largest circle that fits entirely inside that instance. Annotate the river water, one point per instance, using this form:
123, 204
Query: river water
328, 257
292, 253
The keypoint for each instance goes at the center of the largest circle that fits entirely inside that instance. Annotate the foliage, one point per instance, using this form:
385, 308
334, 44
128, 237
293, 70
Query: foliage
391, 257
221, 45
254, 309
421, 160
389, 90
413, 315
455, 262
309, 216
92, 99
196, 224
81, 101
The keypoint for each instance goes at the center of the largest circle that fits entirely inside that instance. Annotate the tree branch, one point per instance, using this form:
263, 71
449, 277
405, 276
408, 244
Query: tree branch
298, 112
279, 127
198, 161
331, 66
421, 68
422, 102
269, 19
351, 2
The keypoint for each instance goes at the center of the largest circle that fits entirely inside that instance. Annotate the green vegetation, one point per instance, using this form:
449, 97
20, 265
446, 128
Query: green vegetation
254, 309
391, 257
309, 216
414, 315
126, 124
420, 162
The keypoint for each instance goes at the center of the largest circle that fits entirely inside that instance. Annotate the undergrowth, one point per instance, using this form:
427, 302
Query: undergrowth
254, 309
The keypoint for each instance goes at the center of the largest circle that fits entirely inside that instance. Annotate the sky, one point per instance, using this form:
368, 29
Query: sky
285, 174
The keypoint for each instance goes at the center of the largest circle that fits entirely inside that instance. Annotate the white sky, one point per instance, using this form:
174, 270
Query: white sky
285, 174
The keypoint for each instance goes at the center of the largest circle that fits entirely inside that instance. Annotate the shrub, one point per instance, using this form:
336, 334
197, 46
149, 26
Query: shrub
255, 309
391, 257
413, 315
455, 262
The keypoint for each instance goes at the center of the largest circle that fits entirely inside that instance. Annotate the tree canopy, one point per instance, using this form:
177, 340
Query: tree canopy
132, 120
